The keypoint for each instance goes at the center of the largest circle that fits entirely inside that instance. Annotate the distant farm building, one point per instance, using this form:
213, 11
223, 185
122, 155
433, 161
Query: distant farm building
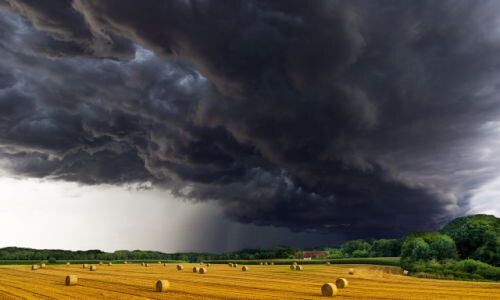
314, 254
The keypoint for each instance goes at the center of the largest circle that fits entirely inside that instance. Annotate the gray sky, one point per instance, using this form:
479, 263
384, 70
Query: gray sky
59, 215
253, 123
45, 214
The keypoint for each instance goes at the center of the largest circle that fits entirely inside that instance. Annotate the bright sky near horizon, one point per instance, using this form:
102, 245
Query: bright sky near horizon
46, 214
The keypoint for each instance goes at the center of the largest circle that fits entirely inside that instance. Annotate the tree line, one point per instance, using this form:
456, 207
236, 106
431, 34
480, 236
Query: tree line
466, 248
15, 253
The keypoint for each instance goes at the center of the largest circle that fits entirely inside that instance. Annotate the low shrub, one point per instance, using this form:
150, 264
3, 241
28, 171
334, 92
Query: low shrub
468, 269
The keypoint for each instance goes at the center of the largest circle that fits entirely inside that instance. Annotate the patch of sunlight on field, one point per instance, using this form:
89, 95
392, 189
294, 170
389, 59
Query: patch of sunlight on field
132, 281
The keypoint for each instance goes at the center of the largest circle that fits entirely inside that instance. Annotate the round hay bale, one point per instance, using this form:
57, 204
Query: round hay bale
143, 264
68, 263
110, 264
230, 264
292, 267
203, 270
244, 268
272, 263
42, 266
162, 286
294, 263
235, 265
261, 263
100, 263
329, 290
298, 268
159, 262
201, 262
165, 264
146, 265
125, 262
34, 267
196, 269
351, 271
405, 272
180, 267
341, 283
71, 280
85, 266
266, 263
93, 268
208, 265
327, 262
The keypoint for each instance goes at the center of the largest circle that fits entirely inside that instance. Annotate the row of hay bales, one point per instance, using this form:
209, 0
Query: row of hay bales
161, 285
93, 267
243, 268
328, 289
200, 270
294, 266
34, 267
85, 266
297, 267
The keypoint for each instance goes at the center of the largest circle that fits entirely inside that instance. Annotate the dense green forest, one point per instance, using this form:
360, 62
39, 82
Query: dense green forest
350, 249
476, 237
14, 253
466, 248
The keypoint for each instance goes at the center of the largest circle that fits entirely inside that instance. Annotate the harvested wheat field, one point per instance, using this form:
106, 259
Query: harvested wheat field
131, 281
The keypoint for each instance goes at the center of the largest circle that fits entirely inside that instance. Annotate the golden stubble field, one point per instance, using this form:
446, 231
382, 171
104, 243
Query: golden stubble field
133, 281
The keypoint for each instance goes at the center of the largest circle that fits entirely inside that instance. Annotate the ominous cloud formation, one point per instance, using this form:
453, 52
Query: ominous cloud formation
362, 117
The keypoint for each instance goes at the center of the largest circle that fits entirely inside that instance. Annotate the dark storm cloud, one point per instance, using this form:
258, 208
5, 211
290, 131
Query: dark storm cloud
360, 117
62, 31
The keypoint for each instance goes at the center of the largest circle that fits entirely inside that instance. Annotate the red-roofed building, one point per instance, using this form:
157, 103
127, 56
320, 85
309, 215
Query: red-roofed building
314, 254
